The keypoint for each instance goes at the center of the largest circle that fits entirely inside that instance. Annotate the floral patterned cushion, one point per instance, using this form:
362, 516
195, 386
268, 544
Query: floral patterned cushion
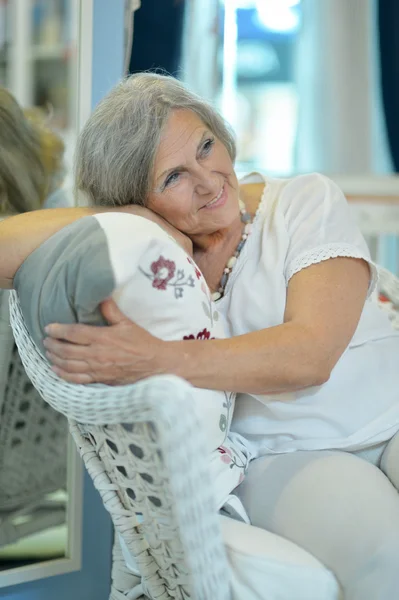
154, 282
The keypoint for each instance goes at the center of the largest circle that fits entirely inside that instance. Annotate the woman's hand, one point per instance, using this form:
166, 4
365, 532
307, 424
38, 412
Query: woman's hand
324, 305
119, 354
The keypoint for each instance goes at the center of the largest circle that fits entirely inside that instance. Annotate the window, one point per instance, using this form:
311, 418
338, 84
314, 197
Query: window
257, 92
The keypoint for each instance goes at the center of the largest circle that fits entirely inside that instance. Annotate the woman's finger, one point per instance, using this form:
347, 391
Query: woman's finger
67, 350
81, 378
71, 366
111, 313
76, 333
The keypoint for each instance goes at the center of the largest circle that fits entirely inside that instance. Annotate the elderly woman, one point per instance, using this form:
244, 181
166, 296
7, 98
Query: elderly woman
314, 358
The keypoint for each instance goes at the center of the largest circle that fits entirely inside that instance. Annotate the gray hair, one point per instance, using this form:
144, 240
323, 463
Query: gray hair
116, 149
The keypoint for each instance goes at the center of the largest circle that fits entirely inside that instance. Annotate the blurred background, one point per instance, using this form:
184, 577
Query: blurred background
38, 61
299, 80
38, 41
307, 85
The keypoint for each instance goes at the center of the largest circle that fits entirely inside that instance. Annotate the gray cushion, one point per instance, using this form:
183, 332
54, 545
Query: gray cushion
66, 278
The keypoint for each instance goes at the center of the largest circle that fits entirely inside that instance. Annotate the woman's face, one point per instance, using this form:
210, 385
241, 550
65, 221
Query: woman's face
194, 184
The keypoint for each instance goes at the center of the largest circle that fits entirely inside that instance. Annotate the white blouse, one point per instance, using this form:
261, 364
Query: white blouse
300, 222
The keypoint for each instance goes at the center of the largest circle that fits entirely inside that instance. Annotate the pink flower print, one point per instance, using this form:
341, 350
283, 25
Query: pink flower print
164, 271
229, 457
202, 335
226, 459
226, 454
196, 269
383, 298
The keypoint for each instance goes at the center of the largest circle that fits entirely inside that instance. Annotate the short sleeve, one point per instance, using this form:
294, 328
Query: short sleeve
320, 225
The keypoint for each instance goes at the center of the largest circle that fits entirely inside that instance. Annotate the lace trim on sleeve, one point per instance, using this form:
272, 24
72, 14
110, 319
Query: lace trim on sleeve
320, 253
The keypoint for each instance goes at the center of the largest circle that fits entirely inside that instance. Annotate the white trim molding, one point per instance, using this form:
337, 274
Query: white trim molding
83, 12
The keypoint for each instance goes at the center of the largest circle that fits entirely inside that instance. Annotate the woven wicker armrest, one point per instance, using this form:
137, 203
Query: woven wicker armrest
144, 447
33, 442
96, 403
388, 284
388, 290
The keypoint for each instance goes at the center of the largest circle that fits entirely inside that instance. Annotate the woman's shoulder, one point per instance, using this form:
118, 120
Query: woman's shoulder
254, 188
262, 193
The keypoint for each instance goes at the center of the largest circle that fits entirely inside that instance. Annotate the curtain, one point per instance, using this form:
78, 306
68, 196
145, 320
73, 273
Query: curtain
388, 24
200, 47
157, 40
333, 77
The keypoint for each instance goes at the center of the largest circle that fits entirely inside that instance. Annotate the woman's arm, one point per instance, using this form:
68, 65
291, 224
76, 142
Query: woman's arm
20, 235
323, 308
324, 304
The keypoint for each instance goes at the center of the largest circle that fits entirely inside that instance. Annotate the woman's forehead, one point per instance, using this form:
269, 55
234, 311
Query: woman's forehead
182, 133
181, 127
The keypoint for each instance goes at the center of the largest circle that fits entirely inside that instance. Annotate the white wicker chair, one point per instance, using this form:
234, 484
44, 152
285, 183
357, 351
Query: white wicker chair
388, 286
146, 455
33, 442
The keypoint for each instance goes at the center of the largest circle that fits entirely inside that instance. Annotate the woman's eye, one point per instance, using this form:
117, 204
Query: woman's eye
206, 148
171, 178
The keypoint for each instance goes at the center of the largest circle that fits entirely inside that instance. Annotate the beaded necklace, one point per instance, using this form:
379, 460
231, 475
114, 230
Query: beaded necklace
246, 219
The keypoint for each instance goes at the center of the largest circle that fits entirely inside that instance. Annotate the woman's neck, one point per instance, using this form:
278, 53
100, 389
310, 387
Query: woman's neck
209, 243
211, 252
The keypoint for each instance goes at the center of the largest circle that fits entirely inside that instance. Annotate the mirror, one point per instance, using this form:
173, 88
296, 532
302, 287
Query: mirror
40, 472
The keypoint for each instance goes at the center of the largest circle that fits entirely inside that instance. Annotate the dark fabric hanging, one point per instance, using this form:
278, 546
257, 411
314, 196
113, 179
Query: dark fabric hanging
158, 30
388, 23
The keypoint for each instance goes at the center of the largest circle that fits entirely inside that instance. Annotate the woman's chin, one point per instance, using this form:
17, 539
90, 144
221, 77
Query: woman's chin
222, 224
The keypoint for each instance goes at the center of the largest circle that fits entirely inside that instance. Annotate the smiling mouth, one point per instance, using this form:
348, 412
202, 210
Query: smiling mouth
215, 200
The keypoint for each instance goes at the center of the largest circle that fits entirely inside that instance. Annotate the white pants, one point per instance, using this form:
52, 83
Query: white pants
339, 507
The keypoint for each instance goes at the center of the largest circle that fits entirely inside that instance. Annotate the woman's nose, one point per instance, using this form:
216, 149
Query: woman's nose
207, 183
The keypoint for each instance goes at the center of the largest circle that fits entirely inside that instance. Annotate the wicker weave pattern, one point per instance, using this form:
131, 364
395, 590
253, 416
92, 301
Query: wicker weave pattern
83, 403
122, 578
388, 285
31, 436
33, 443
145, 452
